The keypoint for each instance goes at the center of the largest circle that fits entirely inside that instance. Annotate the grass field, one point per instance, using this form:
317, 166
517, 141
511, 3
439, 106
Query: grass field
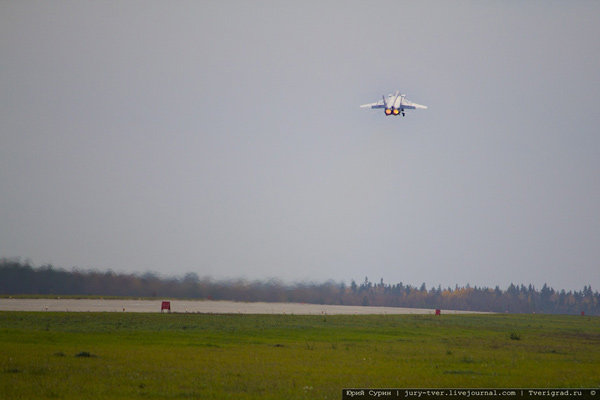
172, 356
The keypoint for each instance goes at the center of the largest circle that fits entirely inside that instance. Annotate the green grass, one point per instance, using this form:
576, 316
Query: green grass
173, 356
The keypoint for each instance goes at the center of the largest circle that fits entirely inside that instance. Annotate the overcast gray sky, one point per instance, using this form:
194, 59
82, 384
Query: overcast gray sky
224, 138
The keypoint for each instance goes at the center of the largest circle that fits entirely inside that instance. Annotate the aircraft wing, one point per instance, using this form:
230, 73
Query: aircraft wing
412, 106
379, 104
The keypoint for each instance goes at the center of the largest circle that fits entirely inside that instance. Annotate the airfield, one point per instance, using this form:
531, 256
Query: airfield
205, 307
225, 349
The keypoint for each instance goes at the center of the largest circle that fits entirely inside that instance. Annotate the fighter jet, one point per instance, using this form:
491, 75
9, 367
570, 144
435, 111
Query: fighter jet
394, 104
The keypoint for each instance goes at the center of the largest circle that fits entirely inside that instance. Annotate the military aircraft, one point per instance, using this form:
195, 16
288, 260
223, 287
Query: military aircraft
394, 104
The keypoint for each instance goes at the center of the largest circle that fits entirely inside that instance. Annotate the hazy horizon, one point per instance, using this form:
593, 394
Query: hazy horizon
191, 275
226, 139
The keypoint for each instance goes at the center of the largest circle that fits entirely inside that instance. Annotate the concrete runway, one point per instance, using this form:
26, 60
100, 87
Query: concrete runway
203, 306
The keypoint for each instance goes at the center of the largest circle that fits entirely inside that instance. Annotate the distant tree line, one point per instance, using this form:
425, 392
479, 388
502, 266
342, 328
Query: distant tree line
18, 277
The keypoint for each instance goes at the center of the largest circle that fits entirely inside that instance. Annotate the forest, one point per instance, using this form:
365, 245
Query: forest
21, 278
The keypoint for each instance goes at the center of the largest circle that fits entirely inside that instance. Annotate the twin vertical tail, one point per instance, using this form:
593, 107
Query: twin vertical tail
394, 107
